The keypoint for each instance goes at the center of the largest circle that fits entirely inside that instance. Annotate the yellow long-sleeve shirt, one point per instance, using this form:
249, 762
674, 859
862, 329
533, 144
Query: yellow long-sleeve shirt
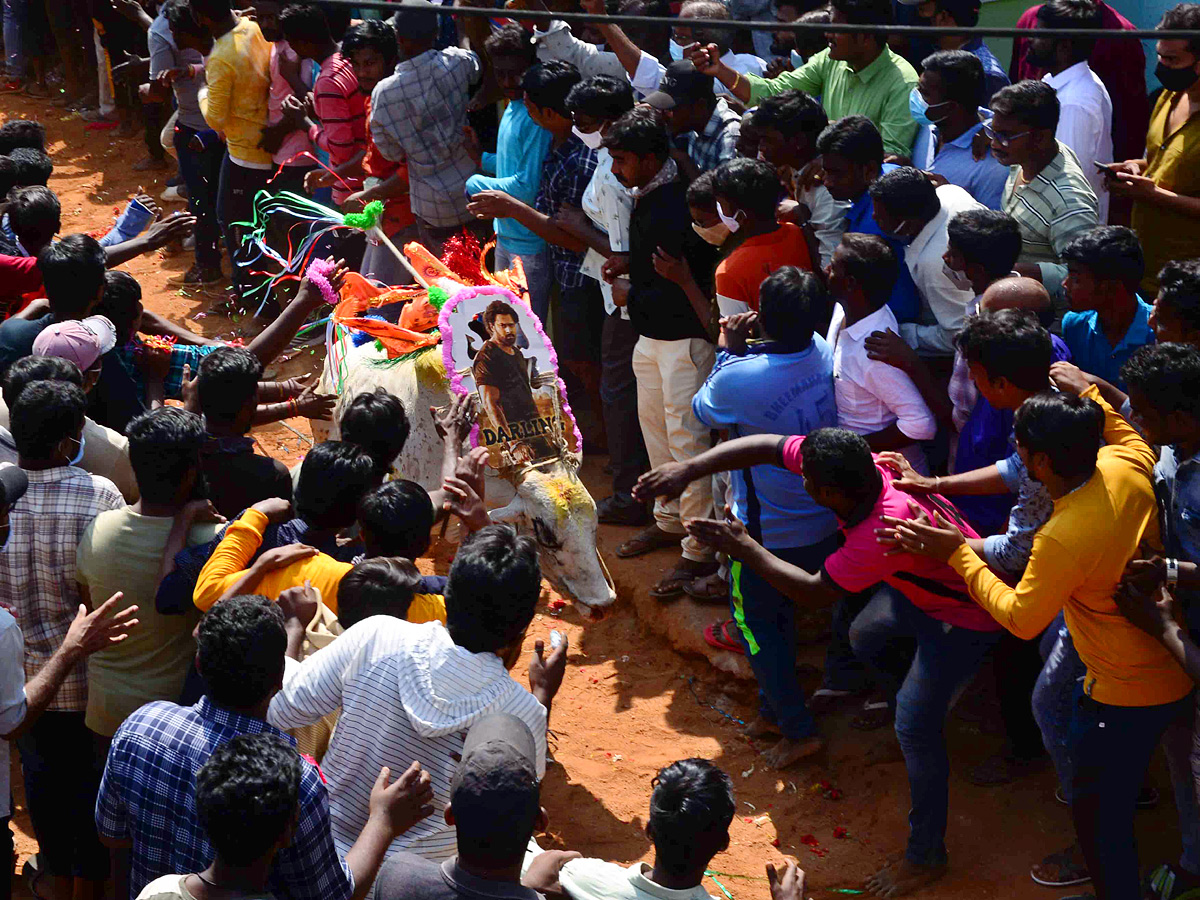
242, 539
1077, 560
238, 72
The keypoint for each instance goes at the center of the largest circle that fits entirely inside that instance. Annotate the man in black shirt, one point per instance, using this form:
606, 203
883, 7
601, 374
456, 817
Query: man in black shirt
670, 269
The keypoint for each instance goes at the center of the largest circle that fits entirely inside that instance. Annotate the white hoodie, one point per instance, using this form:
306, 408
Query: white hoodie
406, 692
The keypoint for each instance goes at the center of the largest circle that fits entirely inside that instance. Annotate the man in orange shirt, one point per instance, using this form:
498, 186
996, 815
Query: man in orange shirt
747, 192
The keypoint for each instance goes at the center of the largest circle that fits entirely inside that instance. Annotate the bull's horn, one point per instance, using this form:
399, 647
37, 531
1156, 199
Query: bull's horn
608, 579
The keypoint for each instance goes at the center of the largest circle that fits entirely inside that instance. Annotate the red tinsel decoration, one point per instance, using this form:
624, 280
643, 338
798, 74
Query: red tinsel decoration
461, 256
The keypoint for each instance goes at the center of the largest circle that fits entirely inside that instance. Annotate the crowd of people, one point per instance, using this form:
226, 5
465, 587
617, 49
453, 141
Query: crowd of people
867, 324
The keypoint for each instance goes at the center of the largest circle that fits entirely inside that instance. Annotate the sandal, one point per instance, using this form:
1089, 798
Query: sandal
672, 585
708, 589
1162, 881
825, 700
1062, 869
875, 715
647, 541
723, 636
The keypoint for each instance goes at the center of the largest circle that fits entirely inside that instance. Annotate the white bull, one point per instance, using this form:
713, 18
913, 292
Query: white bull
549, 504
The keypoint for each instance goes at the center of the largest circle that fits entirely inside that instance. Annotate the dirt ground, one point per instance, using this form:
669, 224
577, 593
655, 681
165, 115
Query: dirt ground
630, 703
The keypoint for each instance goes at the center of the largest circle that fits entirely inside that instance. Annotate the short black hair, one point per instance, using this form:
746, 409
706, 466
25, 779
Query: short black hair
8, 176
640, 131
34, 214
1179, 288
1109, 253
1067, 428
121, 301
164, 446
1032, 103
247, 794
511, 41
28, 369
377, 422
1073, 14
963, 12
602, 97
333, 478
1011, 344
33, 166
211, 8
228, 381
181, 18
854, 137
986, 237
840, 459
961, 73
304, 22
398, 516
1183, 17
701, 193
1167, 375
548, 83
375, 34
691, 808
753, 183
18, 133
240, 647
871, 262
866, 12
791, 302
45, 413
493, 589
379, 586
906, 192
72, 274
792, 113
416, 22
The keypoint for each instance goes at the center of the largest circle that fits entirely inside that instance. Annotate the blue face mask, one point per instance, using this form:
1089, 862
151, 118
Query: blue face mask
797, 59
676, 50
919, 109
79, 455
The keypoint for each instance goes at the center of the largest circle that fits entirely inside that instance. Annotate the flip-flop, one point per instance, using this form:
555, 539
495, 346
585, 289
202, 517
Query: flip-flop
827, 699
718, 635
646, 541
673, 584
708, 593
875, 715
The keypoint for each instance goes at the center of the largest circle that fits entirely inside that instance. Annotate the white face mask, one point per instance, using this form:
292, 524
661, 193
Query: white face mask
676, 50
730, 222
713, 234
959, 279
79, 455
591, 139
797, 58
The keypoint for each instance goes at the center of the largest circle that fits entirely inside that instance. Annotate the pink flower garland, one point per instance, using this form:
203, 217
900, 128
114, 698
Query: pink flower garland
318, 273
456, 379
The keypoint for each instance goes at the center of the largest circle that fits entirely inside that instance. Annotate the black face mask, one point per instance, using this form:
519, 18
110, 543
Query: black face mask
1176, 79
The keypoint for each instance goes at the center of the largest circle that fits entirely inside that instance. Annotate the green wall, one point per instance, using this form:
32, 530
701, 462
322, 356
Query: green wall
1002, 14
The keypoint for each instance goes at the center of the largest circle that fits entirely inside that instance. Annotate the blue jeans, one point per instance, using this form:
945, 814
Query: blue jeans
1054, 699
538, 276
15, 14
1111, 749
766, 621
201, 171
946, 659
843, 670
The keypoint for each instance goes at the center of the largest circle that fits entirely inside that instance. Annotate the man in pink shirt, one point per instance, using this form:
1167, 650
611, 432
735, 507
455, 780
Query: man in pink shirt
912, 603
339, 107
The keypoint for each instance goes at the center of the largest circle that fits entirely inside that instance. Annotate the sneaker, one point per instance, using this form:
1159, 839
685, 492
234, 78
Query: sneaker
621, 509
176, 193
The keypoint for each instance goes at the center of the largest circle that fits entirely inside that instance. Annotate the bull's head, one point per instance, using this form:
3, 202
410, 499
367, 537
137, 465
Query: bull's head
554, 507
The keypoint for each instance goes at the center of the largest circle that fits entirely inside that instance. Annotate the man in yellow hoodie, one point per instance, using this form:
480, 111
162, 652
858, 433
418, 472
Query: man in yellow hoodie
238, 71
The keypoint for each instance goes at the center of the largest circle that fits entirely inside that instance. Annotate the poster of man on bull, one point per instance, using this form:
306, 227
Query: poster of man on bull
501, 354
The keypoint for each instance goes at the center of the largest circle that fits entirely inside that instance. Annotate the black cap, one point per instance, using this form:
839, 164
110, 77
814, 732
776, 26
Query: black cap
13, 484
415, 18
498, 772
681, 84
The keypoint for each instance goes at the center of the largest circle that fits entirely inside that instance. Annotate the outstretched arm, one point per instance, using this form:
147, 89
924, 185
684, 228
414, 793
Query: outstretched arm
670, 479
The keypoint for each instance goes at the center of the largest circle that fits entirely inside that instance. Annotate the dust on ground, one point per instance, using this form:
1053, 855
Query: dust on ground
630, 703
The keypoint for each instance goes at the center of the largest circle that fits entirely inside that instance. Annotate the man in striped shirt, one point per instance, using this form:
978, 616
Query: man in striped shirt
1047, 191
412, 691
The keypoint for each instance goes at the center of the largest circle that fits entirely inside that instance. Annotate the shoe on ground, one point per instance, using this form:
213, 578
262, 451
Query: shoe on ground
621, 510
176, 193
197, 277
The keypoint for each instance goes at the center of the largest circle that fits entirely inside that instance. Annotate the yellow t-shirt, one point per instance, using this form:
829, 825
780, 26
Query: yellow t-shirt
238, 72
1077, 560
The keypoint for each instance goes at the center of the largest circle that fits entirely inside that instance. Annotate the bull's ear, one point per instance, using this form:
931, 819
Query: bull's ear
510, 513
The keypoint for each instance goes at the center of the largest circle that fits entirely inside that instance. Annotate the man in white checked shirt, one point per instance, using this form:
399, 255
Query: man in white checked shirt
410, 692
418, 114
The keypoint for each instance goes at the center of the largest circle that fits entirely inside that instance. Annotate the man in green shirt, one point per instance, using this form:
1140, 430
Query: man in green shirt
857, 75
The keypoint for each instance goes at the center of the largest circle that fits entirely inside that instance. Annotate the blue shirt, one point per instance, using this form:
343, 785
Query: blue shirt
1090, 349
983, 179
994, 76
521, 148
1177, 485
861, 219
772, 392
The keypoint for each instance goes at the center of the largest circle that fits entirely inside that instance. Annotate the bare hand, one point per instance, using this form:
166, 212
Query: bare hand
910, 481
299, 604
317, 179
1152, 612
202, 512
189, 390
282, 557
90, 632
276, 509
472, 144
174, 227
542, 874
154, 362
546, 675
788, 884
405, 802
149, 202
616, 266
736, 330
667, 481
980, 145
572, 219
462, 501
312, 405
705, 57
472, 469
1145, 575
1068, 378
791, 211
934, 538
456, 419
491, 205
672, 268
728, 535
889, 347
778, 66
311, 295
1125, 184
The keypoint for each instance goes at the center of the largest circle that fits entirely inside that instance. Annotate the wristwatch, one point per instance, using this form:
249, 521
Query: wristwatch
1172, 572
